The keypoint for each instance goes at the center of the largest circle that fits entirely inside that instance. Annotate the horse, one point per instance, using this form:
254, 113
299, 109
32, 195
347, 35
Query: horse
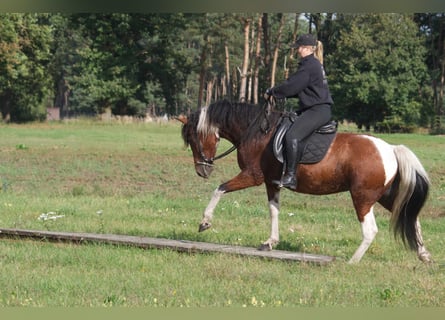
368, 167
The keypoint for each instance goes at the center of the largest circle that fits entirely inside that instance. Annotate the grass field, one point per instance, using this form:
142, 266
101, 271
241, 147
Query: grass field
138, 179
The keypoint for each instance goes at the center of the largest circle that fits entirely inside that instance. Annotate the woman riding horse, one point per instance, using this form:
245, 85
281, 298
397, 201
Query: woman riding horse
369, 168
310, 85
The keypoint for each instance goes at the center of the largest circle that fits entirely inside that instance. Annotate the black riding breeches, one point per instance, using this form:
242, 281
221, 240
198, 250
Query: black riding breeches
308, 121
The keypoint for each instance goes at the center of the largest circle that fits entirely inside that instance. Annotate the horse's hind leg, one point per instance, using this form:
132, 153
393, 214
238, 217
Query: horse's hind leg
369, 230
273, 195
422, 253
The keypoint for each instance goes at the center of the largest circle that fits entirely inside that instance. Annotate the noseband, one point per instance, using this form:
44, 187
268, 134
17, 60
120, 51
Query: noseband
209, 162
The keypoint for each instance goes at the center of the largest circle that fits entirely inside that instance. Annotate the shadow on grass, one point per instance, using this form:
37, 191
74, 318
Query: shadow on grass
288, 246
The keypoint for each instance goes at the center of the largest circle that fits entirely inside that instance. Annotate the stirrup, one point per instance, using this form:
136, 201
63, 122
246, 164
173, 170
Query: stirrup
289, 181
290, 185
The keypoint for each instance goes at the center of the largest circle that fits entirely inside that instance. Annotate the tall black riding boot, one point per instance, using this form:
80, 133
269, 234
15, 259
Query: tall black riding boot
289, 179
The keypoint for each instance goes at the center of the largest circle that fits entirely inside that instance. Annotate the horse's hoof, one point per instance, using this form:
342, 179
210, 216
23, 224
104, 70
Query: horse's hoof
265, 247
204, 226
426, 258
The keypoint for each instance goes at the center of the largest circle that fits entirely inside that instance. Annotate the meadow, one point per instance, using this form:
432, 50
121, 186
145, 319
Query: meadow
139, 179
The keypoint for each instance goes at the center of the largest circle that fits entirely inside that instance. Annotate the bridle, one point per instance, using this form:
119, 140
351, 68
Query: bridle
209, 161
265, 127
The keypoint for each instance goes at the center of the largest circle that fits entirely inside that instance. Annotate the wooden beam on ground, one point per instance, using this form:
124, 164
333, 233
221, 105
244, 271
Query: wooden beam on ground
160, 243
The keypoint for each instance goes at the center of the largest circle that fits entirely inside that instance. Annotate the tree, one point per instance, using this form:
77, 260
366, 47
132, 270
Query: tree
378, 69
432, 25
104, 72
131, 63
282, 19
246, 21
256, 68
25, 84
170, 54
220, 57
276, 33
64, 57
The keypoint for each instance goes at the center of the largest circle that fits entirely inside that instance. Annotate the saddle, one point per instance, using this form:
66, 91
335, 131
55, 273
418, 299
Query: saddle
313, 148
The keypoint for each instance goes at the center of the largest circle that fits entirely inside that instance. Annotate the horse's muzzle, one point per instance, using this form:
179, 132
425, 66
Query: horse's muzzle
203, 169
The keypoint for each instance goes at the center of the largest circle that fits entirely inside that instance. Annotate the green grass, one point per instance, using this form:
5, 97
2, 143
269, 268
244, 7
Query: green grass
139, 180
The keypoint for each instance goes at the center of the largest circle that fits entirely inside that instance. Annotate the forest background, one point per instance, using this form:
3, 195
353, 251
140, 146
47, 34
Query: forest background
386, 70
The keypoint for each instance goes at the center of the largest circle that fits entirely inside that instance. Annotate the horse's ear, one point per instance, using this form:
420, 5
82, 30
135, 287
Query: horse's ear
182, 118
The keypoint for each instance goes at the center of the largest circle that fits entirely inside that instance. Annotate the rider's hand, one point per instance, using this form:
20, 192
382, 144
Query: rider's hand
268, 94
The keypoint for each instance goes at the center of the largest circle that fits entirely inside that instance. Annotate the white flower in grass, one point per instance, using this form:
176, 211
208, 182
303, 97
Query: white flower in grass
50, 216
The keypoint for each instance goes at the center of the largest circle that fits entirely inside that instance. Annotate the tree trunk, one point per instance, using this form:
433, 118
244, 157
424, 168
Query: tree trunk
243, 72
209, 92
256, 69
203, 71
266, 42
224, 86
61, 100
442, 77
438, 84
276, 49
5, 106
292, 50
216, 89
317, 22
251, 58
235, 82
439, 113
227, 82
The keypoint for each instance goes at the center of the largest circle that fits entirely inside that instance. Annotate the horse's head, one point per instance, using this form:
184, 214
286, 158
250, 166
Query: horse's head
203, 143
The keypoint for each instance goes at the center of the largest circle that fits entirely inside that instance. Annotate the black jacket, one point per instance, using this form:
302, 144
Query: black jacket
309, 84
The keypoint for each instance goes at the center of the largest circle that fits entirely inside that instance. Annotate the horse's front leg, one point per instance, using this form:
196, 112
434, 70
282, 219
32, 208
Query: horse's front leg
244, 179
273, 195
208, 213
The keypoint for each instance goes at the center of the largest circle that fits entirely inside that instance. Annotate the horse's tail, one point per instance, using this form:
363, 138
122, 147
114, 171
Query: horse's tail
410, 196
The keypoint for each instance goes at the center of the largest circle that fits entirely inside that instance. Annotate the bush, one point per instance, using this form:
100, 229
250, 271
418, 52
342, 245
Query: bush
438, 126
394, 125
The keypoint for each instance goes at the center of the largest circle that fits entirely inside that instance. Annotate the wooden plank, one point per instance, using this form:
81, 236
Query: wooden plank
160, 243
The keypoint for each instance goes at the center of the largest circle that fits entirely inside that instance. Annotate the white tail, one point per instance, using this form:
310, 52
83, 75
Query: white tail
412, 192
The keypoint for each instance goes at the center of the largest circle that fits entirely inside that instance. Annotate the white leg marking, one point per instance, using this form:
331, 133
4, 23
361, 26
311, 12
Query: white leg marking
422, 253
208, 213
369, 230
274, 231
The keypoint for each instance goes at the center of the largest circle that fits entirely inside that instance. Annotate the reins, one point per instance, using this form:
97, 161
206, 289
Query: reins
225, 153
268, 107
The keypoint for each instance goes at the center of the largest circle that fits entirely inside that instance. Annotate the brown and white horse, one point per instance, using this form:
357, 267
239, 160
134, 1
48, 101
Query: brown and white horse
368, 167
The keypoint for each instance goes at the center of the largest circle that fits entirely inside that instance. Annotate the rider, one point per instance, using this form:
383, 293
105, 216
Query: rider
310, 85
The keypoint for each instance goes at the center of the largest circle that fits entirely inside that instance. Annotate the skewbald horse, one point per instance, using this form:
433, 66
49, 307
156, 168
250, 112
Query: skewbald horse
369, 168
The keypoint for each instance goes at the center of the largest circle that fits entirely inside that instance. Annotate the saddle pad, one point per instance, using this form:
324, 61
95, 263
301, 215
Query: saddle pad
314, 147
